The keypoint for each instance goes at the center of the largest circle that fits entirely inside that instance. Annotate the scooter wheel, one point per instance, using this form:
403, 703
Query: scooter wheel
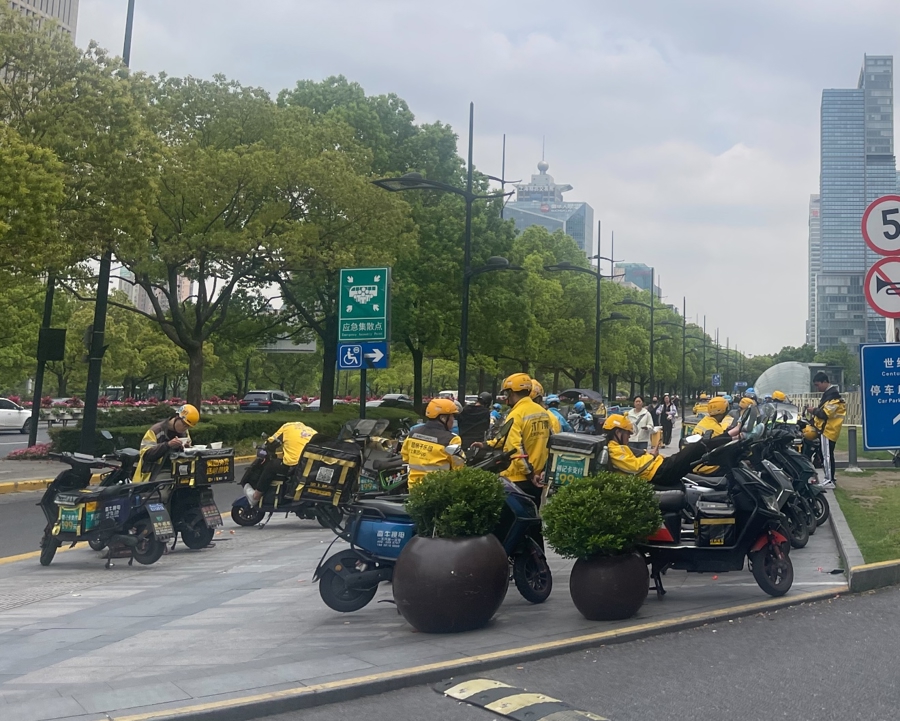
799, 533
773, 571
148, 550
246, 516
97, 544
337, 596
48, 549
194, 532
809, 513
531, 574
822, 509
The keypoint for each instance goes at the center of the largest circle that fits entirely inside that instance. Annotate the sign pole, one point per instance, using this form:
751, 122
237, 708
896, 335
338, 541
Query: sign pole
362, 390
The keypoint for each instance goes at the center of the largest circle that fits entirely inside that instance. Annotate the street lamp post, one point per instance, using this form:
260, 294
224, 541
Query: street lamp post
631, 301
566, 265
415, 181
683, 326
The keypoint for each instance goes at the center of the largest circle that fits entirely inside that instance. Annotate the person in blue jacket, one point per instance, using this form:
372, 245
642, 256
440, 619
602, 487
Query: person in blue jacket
552, 402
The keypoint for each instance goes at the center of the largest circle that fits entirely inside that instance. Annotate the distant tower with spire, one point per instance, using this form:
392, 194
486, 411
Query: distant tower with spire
541, 202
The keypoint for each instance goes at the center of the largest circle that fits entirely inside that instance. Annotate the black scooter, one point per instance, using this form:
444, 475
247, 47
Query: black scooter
744, 521
122, 516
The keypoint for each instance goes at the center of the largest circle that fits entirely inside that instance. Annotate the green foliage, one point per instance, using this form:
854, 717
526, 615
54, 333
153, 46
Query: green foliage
456, 504
230, 429
600, 516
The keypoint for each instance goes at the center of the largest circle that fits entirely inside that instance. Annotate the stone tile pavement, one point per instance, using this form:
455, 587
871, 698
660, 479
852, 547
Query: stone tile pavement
79, 642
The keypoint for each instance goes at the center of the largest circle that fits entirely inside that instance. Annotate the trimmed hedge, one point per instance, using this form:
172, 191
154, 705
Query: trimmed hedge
231, 428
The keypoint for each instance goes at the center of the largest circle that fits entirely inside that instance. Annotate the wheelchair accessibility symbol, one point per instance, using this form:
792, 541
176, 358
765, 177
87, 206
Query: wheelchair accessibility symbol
350, 357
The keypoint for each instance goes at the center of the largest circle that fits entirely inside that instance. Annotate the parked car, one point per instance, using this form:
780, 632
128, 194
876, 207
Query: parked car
267, 402
13, 417
391, 400
317, 404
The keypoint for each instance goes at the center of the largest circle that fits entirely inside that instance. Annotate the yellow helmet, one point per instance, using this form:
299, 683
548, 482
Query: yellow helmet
617, 420
810, 433
779, 396
717, 405
189, 414
704, 397
536, 389
746, 403
517, 383
441, 407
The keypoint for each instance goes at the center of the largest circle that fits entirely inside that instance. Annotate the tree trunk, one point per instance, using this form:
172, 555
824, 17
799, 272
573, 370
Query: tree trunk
329, 363
62, 383
418, 358
578, 376
195, 375
556, 381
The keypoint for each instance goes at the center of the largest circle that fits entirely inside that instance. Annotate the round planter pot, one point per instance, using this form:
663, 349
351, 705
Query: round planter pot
609, 588
448, 585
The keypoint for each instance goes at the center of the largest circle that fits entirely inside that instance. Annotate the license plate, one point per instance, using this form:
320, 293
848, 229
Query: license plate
211, 515
569, 468
253, 405
162, 523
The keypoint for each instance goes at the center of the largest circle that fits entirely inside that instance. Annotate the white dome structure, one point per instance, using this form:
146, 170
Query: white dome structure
790, 377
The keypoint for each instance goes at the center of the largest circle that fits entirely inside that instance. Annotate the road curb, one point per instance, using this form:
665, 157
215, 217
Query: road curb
302, 697
848, 549
39, 485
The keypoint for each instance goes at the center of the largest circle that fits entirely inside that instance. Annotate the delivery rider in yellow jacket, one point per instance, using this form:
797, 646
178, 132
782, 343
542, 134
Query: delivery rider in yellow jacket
716, 423
424, 451
527, 437
828, 418
294, 437
168, 436
662, 472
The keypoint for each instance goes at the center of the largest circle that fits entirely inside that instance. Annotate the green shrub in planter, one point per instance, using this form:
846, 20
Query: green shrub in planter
453, 575
598, 521
601, 515
456, 504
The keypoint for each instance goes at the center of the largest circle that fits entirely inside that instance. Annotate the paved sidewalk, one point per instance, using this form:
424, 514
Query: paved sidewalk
79, 642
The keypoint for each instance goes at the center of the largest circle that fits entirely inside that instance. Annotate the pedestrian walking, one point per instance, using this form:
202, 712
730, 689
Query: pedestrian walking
643, 424
654, 410
667, 412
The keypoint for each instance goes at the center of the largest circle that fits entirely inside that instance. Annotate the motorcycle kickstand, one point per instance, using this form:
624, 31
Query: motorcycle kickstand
267, 519
108, 557
657, 583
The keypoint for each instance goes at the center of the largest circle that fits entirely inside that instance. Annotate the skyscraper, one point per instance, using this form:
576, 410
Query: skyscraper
63, 11
540, 202
857, 166
815, 264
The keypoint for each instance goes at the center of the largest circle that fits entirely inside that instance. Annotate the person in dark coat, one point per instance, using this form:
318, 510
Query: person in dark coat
475, 420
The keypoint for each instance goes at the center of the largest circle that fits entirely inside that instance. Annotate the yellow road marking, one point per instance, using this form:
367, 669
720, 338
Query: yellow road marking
460, 664
26, 556
518, 701
880, 564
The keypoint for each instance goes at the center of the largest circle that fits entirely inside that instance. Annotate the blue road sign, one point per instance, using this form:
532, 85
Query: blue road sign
351, 356
880, 369
716, 380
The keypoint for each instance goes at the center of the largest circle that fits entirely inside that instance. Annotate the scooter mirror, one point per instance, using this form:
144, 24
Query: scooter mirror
107, 435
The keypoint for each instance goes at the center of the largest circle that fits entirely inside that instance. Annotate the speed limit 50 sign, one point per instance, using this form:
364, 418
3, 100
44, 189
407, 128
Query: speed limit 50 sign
881, 225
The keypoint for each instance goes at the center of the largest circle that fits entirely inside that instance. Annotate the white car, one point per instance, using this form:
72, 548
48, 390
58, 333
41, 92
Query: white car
13, 417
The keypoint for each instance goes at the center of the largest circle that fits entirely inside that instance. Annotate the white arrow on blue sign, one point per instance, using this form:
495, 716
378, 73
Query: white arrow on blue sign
880, 391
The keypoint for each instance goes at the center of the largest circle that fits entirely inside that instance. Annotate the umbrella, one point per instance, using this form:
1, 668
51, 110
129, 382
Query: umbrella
577, 393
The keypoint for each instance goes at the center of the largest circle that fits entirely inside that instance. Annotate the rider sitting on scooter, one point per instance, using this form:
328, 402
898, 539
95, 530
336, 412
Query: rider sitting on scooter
580, 419
715, 424
663, 472
165, 437
424, 451
293, 438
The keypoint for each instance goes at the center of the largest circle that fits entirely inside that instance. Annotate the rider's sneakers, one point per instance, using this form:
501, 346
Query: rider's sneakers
827, 485
252, 494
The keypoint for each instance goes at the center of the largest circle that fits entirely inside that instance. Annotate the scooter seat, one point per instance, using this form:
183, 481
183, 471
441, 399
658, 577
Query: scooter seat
670, 501
387, 464
391, 506
719, 483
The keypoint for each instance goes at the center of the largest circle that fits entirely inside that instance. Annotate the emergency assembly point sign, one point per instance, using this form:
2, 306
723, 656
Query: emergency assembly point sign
882, 286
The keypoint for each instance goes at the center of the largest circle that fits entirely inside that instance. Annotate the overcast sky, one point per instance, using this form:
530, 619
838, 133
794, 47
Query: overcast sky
691, 127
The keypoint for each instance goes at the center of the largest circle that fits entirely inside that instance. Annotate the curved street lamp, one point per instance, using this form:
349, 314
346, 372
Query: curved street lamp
415, 181
566, 265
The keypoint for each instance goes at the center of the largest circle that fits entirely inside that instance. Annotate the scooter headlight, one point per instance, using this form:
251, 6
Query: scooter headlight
771, 502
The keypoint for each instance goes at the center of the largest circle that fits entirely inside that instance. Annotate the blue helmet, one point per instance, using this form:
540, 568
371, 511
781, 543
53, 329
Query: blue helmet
750, 390
579, 407
551, 399
497, 407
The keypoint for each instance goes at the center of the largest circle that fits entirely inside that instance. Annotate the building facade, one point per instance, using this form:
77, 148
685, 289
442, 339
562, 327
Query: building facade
65, 12
815, 265
637, 274
541, 202
857, 166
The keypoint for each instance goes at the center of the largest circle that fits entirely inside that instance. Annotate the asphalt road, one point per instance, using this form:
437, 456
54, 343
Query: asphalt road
22, 522
13, 440
835, 659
